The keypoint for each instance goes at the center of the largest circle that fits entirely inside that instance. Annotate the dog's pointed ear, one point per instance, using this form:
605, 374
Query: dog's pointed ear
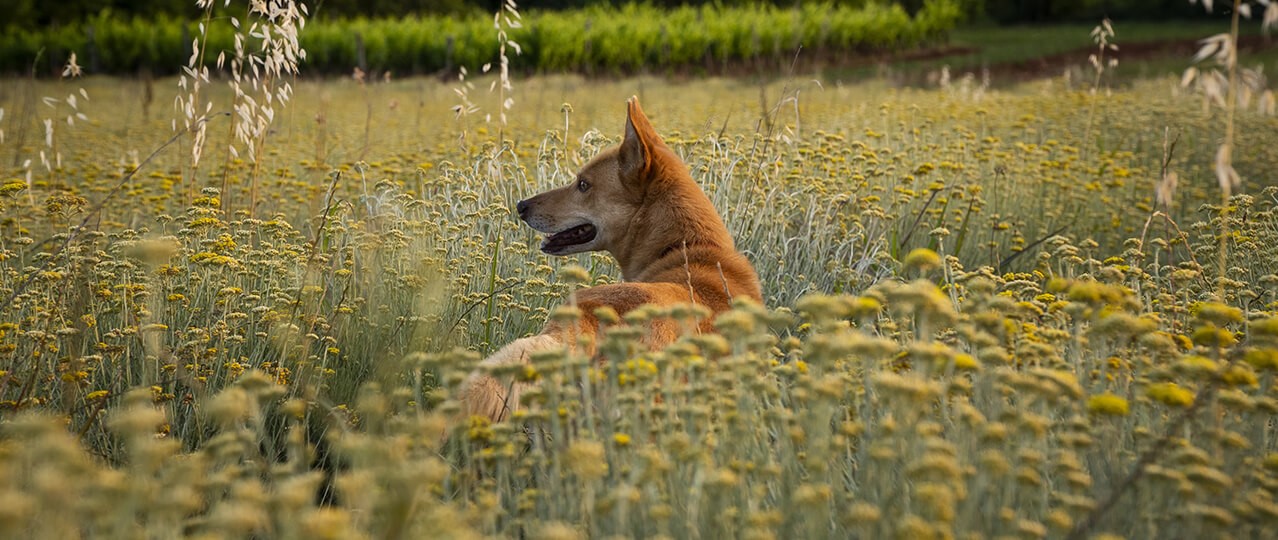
637, 146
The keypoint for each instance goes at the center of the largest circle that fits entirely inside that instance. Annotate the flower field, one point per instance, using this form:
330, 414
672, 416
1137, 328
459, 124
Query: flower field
980, 320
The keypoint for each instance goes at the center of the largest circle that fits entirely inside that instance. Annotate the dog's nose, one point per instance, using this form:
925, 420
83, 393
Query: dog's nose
522, 208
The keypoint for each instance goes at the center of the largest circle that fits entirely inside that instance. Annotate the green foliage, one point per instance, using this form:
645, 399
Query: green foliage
31, 14
630, 38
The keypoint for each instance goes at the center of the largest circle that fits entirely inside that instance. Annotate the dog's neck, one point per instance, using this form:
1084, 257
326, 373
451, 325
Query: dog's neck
678, 217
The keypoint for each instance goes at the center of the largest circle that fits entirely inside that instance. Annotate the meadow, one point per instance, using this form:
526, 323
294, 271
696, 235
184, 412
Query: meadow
980, 321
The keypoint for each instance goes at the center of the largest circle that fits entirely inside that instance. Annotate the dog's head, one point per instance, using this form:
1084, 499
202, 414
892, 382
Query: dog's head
595, 211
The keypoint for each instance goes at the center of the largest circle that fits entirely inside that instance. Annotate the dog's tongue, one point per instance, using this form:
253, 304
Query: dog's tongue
571, 237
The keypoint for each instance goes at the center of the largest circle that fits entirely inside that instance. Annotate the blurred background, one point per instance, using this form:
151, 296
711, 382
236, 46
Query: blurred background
839, 39
32, 12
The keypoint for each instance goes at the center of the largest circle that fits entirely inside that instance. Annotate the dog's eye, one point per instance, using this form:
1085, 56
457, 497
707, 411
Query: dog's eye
583, 185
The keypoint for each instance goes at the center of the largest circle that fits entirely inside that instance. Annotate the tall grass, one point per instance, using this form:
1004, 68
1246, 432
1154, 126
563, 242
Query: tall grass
181, 368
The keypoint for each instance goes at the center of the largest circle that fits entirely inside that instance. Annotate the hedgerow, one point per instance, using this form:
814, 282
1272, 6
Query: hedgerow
598, 39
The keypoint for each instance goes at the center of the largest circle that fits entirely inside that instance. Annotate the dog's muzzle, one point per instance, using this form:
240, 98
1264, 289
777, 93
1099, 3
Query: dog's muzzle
574, 236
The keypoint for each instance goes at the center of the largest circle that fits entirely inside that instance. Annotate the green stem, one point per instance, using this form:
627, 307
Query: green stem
492, 292
1226, 189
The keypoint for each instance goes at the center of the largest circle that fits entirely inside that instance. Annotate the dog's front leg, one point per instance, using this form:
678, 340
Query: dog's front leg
492, 398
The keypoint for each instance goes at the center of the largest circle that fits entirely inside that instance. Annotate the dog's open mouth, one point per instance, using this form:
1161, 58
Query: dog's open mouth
566, 239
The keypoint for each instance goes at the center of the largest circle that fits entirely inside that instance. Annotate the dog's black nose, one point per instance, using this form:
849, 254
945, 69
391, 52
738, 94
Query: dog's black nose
522, 208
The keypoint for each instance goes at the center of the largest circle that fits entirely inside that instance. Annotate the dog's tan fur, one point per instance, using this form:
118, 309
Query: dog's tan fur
666, 235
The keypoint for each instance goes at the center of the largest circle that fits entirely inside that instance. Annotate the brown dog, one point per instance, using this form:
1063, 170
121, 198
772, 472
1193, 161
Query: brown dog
637, 202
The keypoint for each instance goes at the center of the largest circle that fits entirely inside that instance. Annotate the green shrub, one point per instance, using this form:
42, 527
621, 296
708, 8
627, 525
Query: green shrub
630, 38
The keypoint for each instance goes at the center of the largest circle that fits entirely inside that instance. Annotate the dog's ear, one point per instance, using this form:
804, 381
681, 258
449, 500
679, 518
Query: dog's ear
639, 141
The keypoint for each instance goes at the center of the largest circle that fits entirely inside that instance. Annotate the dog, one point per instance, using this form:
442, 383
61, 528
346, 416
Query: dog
638, 202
